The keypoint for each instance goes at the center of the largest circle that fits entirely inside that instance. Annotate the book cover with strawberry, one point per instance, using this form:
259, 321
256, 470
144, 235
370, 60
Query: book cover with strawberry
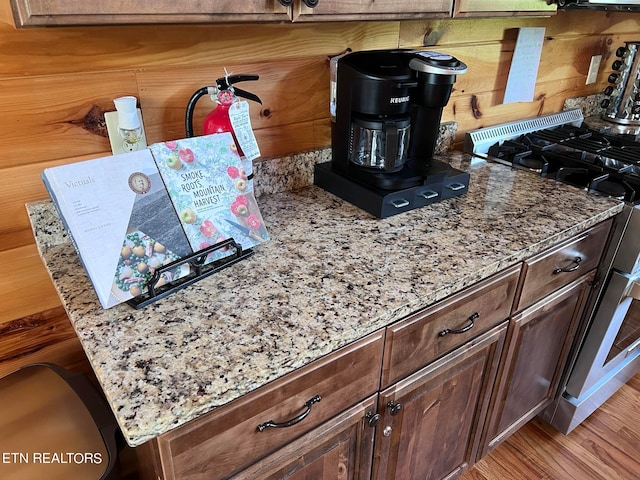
212, 191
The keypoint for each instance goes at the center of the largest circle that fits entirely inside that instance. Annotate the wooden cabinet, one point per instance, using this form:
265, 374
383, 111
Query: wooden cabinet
339, 449
455, 347
30, 13
539, 342
499, 8
75, 12
235, 436
429, 424
554, 289
412, 343
423, 399
339, 10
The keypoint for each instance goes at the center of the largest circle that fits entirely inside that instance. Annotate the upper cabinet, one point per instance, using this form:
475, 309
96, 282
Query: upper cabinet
340, 10
33, 13
499, 8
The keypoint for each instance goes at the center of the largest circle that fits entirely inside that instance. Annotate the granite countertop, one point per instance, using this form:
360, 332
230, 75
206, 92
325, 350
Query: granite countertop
330, 275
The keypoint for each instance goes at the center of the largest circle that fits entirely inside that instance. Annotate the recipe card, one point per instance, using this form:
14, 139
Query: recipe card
521, 84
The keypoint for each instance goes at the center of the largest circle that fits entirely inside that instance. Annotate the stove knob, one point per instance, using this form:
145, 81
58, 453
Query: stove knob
635, 109
622, 52
608, 90
617, 65
605, 103
614, 78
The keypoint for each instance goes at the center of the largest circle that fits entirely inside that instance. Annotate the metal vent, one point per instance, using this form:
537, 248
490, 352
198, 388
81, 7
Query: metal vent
479, 141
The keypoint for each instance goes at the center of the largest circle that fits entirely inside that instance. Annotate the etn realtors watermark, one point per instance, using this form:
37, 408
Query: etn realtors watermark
51, 458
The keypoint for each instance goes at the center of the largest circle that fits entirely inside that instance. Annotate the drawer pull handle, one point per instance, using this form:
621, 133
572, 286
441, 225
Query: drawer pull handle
293, 421
576, 265
472, 318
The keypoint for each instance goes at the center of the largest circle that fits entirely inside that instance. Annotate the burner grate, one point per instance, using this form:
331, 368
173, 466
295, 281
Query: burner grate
588, 144
554, 136
624, 155
603, 164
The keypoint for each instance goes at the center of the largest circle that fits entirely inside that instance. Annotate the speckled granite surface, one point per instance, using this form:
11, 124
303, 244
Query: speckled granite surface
589, 104
331, 274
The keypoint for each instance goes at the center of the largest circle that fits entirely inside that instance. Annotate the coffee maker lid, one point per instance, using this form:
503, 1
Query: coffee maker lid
436, 62
381, 64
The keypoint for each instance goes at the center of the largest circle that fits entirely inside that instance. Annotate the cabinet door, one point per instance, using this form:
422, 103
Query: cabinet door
429, 424
332, 10
496, 8
538, 344
342, 448
76, 12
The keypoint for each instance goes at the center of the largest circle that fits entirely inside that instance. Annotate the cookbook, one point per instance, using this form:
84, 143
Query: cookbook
211, 189
129, 214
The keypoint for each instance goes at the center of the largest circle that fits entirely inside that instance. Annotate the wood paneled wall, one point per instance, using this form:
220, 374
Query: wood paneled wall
56, 83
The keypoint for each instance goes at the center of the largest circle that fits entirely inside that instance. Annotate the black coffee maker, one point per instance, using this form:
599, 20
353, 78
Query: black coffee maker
388, 107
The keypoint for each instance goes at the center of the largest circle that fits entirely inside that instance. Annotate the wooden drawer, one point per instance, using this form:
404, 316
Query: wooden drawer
227, 440
341, 449
499, 8
562, 264
419, 339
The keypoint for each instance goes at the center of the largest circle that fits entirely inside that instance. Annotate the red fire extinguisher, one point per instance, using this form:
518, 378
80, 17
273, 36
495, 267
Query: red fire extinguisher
224, 94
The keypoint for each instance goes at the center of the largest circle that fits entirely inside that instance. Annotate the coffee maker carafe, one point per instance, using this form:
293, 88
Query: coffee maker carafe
388, 107
380, 143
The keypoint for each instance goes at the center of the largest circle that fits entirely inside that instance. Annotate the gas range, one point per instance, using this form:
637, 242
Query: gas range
563, 147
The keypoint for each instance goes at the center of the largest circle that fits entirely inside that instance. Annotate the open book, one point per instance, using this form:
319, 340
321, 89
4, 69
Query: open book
130, 214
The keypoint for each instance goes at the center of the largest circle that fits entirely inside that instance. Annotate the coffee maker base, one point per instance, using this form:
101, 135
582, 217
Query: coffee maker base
385, 203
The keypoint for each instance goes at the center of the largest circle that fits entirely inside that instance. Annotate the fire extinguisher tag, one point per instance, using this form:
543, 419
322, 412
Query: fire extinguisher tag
241, 123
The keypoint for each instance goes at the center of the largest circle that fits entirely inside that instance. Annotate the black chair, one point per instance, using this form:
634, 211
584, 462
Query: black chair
55, 424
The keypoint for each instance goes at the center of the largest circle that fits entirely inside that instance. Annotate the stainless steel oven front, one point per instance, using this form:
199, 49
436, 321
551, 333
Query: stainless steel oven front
609, 354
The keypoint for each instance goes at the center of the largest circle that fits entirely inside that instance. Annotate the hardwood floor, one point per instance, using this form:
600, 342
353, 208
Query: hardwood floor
606, 446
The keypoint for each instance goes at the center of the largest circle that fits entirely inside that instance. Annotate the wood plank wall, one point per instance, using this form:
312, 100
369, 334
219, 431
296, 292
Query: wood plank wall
56, 83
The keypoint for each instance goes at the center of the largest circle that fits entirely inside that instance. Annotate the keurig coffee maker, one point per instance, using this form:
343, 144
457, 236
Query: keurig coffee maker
388, 106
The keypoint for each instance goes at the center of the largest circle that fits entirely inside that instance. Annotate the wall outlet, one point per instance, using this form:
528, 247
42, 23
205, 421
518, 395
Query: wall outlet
118, 145
594, 66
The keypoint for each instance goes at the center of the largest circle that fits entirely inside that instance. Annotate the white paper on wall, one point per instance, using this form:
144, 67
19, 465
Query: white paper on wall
523, 73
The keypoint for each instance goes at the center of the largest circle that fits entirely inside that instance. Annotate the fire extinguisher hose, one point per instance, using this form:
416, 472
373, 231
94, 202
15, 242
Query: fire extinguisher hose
188, 119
